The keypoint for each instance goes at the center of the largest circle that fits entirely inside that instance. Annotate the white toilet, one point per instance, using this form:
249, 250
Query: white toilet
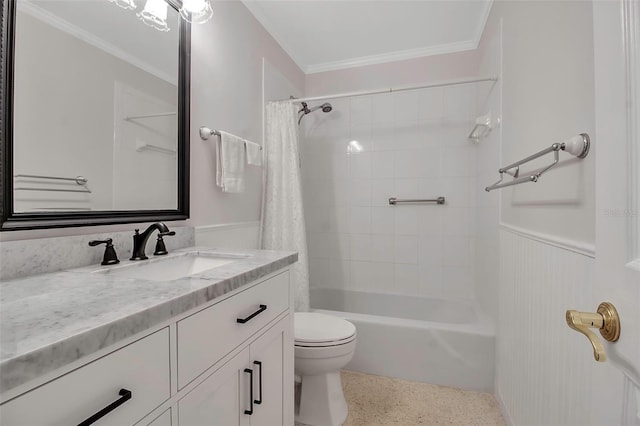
323, 345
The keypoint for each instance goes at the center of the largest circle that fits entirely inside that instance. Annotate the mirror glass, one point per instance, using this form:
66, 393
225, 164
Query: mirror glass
95, 107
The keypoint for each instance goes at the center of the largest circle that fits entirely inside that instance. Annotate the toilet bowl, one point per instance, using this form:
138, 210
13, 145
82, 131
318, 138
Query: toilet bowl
323, 345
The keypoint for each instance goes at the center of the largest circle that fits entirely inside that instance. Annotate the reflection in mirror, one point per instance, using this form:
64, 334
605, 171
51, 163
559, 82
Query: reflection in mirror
96, 103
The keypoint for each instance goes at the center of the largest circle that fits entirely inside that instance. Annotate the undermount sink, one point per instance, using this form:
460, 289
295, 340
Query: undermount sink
171, 268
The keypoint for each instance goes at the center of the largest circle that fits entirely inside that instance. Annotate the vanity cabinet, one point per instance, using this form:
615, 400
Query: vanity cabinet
228, 363
247, 390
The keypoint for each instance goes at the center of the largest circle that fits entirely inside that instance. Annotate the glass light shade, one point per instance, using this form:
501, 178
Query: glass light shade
125, 4
154, 14
196, 11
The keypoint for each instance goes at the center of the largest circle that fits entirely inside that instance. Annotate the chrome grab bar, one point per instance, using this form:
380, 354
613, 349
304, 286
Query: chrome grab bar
393, 200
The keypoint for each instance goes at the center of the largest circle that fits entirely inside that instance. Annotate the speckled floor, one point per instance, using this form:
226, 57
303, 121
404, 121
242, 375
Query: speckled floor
382, 401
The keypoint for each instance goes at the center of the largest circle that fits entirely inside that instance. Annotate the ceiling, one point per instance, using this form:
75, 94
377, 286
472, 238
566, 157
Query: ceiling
324, 35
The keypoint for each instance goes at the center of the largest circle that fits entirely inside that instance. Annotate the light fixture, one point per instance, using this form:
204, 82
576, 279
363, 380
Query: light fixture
154, 14
125, 4
196, 11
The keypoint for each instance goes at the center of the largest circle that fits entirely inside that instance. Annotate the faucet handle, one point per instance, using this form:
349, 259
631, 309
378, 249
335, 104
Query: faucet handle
110, 257
161, 249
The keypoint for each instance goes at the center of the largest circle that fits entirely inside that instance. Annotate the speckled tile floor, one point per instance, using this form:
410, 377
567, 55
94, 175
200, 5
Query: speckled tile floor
385, 401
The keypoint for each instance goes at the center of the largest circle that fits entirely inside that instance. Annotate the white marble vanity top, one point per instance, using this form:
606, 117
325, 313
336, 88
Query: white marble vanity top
50, 320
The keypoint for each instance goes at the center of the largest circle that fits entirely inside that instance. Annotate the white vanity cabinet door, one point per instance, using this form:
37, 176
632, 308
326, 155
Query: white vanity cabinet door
141, 367
221, 399
208, 335
267, 355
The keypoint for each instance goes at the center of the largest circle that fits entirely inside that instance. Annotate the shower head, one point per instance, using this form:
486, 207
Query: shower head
326, 107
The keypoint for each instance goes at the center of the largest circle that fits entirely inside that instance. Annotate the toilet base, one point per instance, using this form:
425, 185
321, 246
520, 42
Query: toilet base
322, 400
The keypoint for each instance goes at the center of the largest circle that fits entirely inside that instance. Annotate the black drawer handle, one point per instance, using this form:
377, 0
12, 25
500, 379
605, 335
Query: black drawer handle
259, 364
250, 317
125, 395
250, 410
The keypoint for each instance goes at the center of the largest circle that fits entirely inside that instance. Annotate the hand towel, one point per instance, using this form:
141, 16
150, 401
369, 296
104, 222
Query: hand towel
230, 160
254, 153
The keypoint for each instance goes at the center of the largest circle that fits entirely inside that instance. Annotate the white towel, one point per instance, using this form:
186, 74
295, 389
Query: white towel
254, 153
230, 160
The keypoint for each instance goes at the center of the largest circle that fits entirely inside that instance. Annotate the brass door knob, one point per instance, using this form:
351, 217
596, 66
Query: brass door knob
606, 319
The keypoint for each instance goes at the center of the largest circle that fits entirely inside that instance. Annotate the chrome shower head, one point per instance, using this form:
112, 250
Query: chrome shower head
326, 107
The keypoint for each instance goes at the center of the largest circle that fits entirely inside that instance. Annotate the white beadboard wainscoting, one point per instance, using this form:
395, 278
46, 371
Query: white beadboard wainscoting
229, 235
544, 370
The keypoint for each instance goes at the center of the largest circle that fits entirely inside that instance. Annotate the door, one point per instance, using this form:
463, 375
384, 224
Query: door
221, 399
617, 77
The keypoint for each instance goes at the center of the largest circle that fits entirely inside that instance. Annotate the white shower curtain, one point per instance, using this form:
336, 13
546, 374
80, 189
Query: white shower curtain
283, 215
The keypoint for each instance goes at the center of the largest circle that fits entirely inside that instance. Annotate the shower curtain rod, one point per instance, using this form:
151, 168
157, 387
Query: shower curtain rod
391, 89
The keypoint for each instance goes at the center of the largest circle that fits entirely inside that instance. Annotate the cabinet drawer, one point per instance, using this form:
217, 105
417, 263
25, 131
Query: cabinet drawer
141, 367
208, 335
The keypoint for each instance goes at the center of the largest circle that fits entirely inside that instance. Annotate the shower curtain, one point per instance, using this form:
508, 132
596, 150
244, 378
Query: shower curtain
283, 216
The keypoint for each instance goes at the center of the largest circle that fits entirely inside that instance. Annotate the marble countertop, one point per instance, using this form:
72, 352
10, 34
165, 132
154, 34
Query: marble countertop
50, 320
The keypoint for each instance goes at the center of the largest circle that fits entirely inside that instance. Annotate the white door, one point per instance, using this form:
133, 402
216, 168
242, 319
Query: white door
617, 142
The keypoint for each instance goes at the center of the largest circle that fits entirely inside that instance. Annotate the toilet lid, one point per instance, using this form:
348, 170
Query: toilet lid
312, 327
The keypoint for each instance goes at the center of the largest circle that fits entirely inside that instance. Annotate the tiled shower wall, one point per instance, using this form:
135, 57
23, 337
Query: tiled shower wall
410, 144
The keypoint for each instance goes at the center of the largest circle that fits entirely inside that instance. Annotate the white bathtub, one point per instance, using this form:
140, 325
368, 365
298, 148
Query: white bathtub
438, 341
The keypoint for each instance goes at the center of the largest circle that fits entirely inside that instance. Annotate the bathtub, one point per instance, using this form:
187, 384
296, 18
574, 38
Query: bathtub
437, 341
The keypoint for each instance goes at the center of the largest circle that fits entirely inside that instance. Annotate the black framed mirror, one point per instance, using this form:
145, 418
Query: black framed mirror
94, 121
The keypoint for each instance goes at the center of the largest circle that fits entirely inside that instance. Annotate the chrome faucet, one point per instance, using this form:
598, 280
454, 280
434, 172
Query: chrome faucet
140, 241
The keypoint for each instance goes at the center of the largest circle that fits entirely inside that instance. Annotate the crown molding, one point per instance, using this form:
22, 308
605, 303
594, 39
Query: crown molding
84, 35
399, 55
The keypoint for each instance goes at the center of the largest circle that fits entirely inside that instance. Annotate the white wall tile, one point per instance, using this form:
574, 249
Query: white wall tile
381, 191
360, 165
382, 164
405, 278
458, 282
430, 280
360, 192
383, 109
361, 110
406, 249
459, 251
430, 250
405, 106
383, 220
431, 104
375, 276
406, 221
360, 220
361, 247
382, 248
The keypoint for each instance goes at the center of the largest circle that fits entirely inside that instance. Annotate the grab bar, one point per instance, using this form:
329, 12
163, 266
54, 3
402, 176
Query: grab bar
80, 180
577, 146
393, 200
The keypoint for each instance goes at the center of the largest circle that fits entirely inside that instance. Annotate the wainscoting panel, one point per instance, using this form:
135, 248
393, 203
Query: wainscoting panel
544, 370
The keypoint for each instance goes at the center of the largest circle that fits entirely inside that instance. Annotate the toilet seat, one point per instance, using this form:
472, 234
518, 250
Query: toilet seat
312, 329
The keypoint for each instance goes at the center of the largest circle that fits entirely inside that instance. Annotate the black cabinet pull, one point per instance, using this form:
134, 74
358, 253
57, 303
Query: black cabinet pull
250, 317
250, 410
125, 395
259, 364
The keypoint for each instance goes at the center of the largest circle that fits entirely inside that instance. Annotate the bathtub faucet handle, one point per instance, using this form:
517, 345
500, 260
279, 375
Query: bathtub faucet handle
605, 319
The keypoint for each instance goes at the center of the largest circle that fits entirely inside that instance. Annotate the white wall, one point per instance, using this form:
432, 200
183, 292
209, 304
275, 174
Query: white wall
226, 93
